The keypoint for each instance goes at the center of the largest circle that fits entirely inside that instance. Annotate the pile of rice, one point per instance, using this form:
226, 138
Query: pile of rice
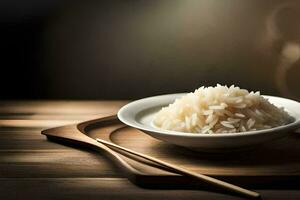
220, 109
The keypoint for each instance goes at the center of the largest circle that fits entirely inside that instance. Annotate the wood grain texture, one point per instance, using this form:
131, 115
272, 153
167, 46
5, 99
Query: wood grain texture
62, 108
263, 160
26, 139
33, 168
55, 163
260, 166
111, 188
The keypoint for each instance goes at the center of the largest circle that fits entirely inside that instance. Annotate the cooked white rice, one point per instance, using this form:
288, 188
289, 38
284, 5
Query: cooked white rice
220, 109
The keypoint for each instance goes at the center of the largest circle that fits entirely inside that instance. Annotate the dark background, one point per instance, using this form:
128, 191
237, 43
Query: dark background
130, 49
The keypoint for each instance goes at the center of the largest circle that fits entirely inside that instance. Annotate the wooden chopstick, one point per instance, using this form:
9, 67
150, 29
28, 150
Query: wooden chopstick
215, 182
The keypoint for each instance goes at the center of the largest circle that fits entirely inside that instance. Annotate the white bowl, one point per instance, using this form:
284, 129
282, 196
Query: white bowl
139, 114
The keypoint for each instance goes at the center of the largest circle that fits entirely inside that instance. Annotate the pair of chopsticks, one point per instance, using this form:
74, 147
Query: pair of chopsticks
212, 181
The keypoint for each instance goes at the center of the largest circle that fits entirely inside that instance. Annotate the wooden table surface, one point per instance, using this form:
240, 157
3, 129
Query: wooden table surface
33, 168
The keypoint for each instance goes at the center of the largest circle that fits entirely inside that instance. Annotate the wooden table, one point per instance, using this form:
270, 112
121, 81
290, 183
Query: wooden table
33, 168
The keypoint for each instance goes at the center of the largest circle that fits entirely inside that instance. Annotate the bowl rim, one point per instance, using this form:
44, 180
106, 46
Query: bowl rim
293, 125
